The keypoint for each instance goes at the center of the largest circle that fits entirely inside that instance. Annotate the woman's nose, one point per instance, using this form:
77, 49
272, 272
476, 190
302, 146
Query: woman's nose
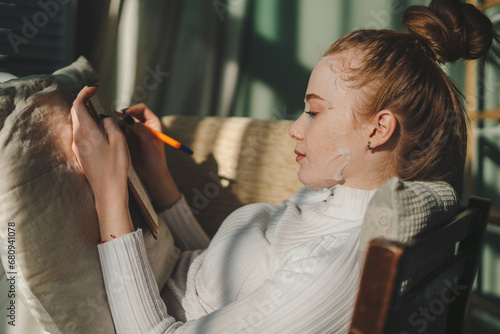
296, 131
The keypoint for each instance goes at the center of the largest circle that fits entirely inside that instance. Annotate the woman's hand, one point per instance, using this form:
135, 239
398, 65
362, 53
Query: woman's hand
148, 157
105, 160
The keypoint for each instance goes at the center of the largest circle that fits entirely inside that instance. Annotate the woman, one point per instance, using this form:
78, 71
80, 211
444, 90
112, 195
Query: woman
377, 105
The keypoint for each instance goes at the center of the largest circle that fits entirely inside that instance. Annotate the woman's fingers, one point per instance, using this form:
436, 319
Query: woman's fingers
85, 129
86, 93
80, 107
82, 136
117, 141
145, 115
139, 111
113, 130
102, 155
75, 122
74, 147
140, 131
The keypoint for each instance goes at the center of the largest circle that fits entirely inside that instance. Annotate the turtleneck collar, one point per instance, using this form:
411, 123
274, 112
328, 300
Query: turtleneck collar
347, 203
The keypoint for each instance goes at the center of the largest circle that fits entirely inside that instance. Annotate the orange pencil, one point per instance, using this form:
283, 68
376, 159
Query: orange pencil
163, 137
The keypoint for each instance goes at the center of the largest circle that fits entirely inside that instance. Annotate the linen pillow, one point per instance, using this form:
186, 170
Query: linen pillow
399, 210
49, 205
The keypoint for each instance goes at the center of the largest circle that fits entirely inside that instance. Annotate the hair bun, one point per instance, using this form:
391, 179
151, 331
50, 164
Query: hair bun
451, 29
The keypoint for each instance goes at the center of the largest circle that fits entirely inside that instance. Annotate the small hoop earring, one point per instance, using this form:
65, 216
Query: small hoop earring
368, 146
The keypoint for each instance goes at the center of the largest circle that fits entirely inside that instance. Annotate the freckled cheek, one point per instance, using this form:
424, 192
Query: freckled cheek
321, 151
326, 148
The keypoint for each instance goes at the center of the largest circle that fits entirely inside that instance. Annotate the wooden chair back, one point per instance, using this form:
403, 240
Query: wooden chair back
422, 286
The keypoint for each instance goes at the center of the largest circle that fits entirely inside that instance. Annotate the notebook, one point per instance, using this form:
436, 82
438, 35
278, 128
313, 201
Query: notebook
96, 105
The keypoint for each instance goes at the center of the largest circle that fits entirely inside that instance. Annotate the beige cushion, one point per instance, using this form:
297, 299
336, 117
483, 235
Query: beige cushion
399, 210
236, 161
43, 192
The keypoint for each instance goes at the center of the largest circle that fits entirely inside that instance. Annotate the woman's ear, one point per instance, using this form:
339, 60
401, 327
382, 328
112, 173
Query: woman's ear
383, 126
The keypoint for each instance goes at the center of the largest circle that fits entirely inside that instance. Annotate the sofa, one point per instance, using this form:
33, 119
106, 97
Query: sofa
48, 215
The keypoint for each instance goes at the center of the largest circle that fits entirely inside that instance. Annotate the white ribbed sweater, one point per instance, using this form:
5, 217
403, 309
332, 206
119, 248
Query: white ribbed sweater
290, 268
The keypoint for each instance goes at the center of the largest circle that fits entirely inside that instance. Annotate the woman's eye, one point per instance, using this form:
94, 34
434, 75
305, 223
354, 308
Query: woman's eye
311, 113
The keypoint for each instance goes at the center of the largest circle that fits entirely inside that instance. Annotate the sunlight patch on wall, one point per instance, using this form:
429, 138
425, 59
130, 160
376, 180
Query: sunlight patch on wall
261, 99
229, 77
267, 20
126, 53
318, 27
237, 9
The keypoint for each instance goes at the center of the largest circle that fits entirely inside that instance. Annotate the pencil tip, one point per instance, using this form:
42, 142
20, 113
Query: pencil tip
186, 149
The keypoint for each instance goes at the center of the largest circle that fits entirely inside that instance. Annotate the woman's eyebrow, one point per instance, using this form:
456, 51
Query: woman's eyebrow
314, 96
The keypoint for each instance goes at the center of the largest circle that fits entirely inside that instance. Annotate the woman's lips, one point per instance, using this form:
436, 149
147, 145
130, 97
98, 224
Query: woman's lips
300, 156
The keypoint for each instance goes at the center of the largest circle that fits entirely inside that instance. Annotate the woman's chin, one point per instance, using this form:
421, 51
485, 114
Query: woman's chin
316, 183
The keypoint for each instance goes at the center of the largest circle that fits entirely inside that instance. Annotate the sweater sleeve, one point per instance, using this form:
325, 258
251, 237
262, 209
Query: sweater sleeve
187, 232
313, 295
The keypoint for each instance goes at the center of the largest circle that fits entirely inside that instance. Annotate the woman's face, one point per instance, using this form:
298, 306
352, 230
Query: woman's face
325, 133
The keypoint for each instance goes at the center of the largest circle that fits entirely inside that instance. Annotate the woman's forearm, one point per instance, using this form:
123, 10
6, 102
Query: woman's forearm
113, 211
164, 191
114, 215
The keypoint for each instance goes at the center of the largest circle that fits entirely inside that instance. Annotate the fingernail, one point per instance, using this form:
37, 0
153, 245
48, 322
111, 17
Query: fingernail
93, 86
